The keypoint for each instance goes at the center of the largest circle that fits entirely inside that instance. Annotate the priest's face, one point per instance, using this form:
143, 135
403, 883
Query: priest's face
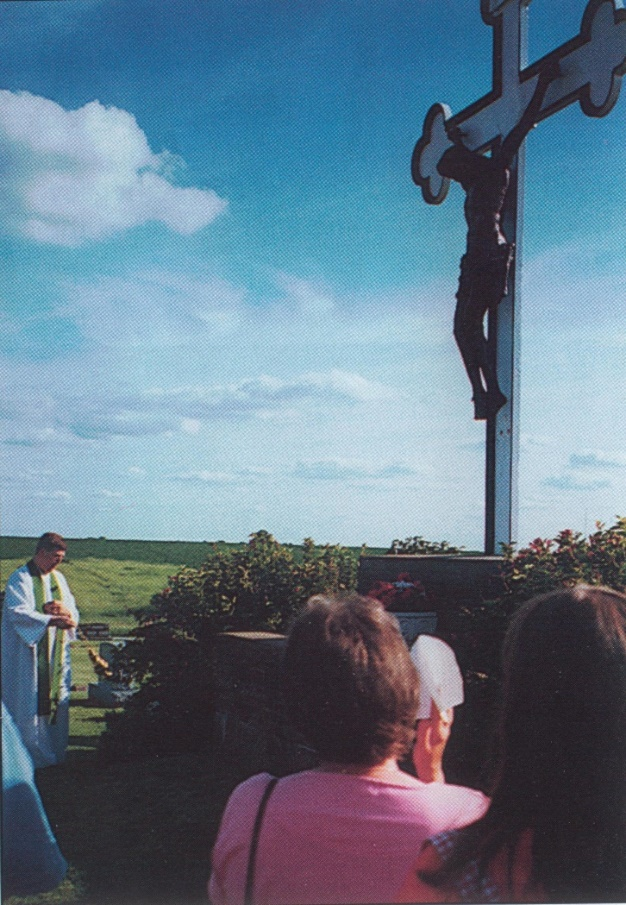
47, 560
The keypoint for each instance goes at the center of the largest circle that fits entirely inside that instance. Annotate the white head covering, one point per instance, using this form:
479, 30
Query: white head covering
440, 677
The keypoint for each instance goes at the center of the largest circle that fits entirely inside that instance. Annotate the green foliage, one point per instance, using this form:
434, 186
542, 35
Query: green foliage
258, 587
567, 560
189, 553
416, 546
476, 632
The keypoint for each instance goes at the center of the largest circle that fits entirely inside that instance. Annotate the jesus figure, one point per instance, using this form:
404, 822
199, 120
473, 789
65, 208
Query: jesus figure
486, 263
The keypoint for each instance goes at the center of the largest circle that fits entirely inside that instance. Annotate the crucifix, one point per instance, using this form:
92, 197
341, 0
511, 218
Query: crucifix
587, 69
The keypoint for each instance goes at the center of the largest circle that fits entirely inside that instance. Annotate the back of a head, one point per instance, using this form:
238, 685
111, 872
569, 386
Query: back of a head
563, 737
351, 687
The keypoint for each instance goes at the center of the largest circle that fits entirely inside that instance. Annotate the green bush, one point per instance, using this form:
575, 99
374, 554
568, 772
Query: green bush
476, 632
567, 560
260, 586
417, 546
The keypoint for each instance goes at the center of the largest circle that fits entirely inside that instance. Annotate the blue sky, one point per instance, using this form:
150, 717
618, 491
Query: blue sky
226, 306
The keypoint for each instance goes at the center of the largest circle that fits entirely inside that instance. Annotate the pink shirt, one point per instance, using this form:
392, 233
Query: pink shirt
332, 838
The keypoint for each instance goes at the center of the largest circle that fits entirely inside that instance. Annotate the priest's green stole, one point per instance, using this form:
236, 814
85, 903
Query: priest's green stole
49, 653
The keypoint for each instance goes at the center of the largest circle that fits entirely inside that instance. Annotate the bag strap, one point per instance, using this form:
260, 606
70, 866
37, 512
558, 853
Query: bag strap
256, 830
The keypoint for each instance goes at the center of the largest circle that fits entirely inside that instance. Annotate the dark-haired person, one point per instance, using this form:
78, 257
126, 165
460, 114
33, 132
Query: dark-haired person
556, 827
39, 619
344, 832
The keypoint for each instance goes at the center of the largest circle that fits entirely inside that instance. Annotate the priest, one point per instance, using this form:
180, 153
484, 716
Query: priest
39, 621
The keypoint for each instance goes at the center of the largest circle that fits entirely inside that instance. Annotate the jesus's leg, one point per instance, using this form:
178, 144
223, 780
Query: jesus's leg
470, 337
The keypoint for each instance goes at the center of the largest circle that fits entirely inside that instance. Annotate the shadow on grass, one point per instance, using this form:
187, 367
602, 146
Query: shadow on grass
84, 703
83, 741
135, 833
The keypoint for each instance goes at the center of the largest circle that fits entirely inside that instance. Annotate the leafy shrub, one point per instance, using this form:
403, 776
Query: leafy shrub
260, 586
476, 632
417, 546
567, 560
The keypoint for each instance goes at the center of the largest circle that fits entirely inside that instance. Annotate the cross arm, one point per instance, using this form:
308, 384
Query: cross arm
591, 67
592, 64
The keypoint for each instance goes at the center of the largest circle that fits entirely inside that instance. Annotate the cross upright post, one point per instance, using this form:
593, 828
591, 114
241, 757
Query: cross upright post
510, 48
588, 69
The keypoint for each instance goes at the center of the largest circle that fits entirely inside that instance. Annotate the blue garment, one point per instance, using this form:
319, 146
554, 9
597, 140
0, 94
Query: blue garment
31, 860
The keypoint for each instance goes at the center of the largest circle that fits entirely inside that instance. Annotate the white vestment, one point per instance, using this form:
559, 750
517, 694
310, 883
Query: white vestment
22, 628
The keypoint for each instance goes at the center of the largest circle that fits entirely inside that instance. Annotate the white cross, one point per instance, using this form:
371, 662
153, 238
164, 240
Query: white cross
591, 66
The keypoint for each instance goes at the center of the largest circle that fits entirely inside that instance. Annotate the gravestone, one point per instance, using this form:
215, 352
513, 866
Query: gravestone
93, 631
111, 690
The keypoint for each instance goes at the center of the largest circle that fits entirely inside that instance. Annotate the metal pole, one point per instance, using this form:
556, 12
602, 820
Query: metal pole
502, 431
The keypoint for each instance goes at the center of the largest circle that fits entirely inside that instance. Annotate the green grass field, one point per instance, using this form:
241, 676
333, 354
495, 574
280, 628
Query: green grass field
188, 553
107, 590
110, 578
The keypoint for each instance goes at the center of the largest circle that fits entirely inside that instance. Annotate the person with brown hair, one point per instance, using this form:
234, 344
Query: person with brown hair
345, 831
556, 827
39, 619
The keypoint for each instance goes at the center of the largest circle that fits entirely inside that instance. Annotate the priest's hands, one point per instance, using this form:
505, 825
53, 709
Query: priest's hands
61, 615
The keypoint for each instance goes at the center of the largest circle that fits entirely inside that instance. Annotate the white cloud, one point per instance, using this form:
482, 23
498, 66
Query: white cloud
158, 411
595, 304
152, 309
205, 476
345, 470
190, 425
256, 395
567, 482
222, 477
592, 459
311, 298
86, 174
60, 496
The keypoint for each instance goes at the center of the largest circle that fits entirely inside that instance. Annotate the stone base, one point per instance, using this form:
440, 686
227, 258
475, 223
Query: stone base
431, 582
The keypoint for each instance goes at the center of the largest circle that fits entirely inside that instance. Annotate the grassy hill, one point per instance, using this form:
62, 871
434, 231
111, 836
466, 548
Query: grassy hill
110, 578
107, 590
182, 553
165, 552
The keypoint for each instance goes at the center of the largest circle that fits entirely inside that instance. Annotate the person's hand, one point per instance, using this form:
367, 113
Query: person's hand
430, 743
63, 622
453, 131
56, 608
61, 615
